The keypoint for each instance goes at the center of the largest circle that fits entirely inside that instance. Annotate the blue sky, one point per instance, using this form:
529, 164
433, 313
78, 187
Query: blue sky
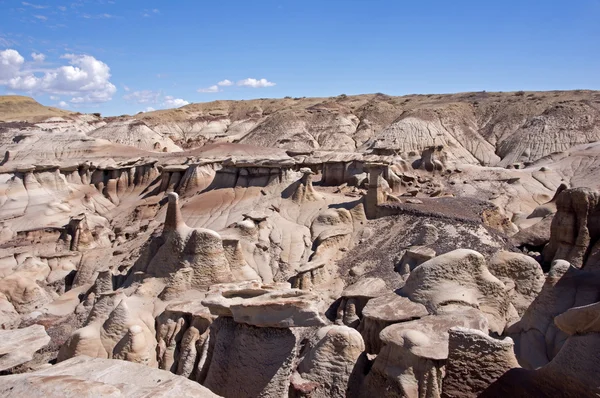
125, 56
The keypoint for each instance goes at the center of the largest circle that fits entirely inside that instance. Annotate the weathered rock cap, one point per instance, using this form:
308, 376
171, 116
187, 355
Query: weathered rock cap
266, 306
280, 309
366, 287
394, 308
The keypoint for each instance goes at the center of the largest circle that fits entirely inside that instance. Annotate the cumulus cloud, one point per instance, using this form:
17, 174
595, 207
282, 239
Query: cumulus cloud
38, 57
171, 102
225, 83
54, 98
10, 65
86, 78
63, 104
149, 109
255, 83
156, 98
211, 89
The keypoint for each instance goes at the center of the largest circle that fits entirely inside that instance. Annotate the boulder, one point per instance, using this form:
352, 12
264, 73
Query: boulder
520, 271
459, 277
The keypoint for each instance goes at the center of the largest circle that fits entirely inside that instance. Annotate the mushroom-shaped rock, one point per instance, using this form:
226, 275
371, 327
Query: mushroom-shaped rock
305, 192
412, 359
459, 277
197, 248
384, 311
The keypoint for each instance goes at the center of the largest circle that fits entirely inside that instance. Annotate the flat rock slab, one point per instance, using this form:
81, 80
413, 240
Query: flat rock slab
83, 377
428, 337
18, 346
366, 287
394, 308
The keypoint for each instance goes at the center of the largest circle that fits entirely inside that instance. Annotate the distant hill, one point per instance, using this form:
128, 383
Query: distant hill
479, 127
26, 109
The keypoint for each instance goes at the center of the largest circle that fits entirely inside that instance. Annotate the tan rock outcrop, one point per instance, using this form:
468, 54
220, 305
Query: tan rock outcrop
19, 345
574, 228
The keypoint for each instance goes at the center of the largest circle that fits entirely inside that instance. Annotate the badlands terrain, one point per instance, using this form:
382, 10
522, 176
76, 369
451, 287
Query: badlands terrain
354, 246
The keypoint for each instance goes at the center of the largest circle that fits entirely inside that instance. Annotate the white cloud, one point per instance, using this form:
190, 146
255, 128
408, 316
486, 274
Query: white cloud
10, 65
41, 17
149, 109
85, 78
54, 98
211, 89
255, 83
36, 6
126, 88
156, 98
38, 57
63, 104
171, 102
225, 83
99, 16
143, 96
148, 13
62, 8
